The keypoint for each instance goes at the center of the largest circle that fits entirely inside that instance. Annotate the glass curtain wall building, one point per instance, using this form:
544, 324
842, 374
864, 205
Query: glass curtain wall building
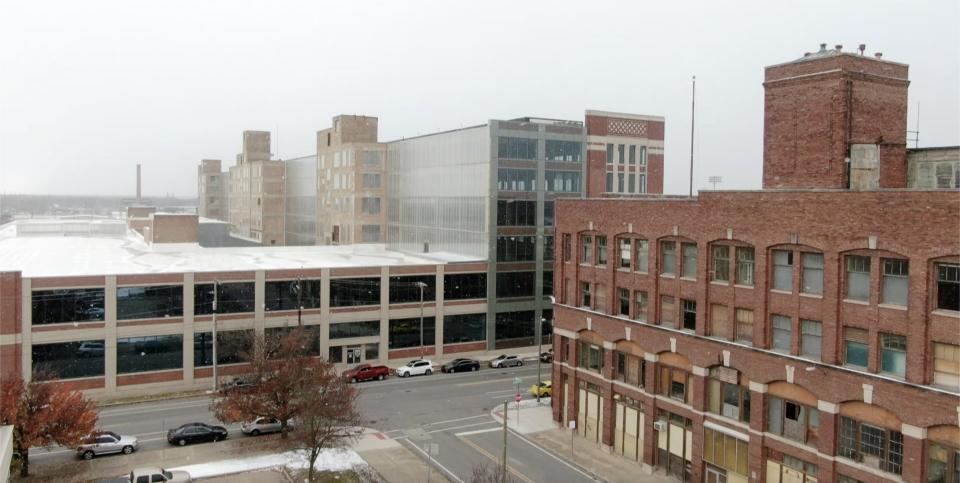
489, 191
300, 210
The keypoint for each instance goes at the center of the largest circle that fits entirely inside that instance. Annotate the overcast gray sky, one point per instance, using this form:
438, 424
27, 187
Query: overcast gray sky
88, 89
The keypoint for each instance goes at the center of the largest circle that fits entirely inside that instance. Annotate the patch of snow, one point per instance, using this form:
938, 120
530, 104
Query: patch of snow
328, 460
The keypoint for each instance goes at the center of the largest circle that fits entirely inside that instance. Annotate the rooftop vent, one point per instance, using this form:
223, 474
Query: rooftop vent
878, 55
823, 48
861, 48
839, 47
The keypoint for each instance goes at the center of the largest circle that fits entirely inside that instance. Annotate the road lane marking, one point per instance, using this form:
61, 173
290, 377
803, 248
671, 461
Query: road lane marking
434, 462
484, 452
550, 454
491, 381
458, 419
461, 427
504, 391
479, 431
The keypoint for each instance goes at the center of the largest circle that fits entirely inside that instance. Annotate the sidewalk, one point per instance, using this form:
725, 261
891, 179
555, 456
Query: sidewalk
253, 459
393, 461
536, 424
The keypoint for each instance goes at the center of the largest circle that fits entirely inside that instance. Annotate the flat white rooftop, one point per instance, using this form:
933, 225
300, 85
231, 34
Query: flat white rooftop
60, 256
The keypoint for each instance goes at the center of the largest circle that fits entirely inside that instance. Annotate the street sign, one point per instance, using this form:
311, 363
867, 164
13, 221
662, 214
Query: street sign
517, 398
517, 381
433, 449
572, 423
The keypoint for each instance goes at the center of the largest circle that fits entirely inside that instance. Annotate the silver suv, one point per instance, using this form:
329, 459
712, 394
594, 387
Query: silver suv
106, 442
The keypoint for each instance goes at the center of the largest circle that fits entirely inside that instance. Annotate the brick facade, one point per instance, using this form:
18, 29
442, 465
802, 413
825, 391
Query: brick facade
815, 108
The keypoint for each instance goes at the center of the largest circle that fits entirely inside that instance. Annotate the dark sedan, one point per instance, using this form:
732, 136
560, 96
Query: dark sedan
461, 365
196, 433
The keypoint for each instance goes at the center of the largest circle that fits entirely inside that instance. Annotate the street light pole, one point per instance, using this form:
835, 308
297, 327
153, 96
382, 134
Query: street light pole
299, 303
216, 295
422, 286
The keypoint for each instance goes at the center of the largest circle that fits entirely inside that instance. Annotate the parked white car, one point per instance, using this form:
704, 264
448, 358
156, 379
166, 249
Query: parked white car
263, 425
416, 367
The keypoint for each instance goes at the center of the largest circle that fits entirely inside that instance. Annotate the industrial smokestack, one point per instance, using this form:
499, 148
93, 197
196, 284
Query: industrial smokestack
138, 182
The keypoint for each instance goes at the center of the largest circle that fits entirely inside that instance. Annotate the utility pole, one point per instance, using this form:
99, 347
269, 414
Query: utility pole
299, 287
422, 286
216, 295
503, 469
693, 111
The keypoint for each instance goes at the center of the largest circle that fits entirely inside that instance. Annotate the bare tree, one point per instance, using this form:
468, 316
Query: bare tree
43, 412
281, 370
329, 417
489, 473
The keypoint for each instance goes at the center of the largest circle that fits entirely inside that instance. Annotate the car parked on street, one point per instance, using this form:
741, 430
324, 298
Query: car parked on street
150, 474
504, 360
196, 433
461, 365
366, 372
547, 356
544, 389
416, 367
263, 425
238, 384
106, 442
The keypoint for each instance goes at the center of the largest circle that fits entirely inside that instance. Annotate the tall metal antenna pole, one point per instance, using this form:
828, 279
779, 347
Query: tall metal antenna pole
693, 111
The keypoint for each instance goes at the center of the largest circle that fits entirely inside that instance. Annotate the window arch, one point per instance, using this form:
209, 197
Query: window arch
674, 377
870, 435
943, 454
792, 412
629, 363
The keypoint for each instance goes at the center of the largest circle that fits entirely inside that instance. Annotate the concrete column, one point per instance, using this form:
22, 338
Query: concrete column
325, 313
26, 331
384, 313
188, 305
110, 334
438, 314
259, 299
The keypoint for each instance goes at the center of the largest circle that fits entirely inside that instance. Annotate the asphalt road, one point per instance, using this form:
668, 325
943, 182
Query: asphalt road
446, 413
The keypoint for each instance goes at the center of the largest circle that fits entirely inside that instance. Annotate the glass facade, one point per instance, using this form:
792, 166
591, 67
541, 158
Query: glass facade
406, 289
150, 353
516, 284
515, 329
234, 298
67, 305
69, 360
463, 286
352, 292
516, 248
233, 346
563, 150
464, 328
300, 200
405, 333
282, 294
451, 215
150, 302
516, 213
516, 148
346, 330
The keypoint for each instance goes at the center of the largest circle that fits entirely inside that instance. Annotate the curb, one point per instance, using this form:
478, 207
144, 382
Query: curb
148, 399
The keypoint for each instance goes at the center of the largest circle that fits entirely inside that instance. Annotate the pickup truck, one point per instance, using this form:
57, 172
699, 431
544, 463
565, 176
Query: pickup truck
151, 474
366, 372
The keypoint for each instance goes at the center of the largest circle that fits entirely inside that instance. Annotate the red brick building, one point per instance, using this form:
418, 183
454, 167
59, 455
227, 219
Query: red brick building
808, 333
624, 154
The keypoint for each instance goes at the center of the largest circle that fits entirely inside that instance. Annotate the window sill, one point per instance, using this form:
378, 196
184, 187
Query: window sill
720, 283
737, 285
947, 313
901, 308
856, 302
812, 295
688, 279
781, 292
623, 270
639, 272
667, 275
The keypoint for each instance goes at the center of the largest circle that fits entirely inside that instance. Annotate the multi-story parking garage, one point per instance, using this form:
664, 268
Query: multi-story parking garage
110, 312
